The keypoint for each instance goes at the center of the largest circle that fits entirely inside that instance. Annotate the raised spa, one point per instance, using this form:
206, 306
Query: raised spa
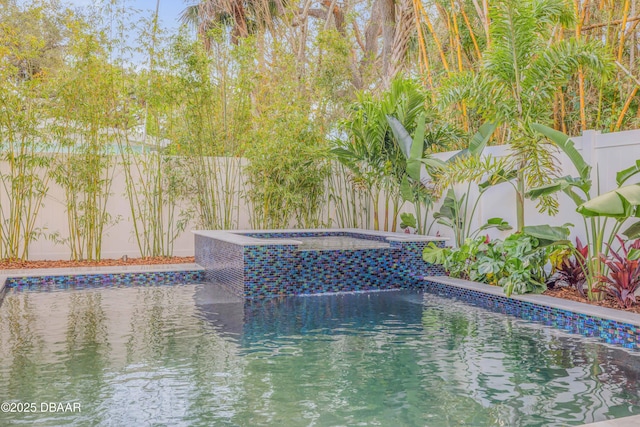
263, 263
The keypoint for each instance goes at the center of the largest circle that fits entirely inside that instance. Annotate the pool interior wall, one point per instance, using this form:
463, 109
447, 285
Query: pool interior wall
265, 263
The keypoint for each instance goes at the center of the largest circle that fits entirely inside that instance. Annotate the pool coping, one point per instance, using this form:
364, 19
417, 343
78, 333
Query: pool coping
77, 271
543, 300
632, 421
238, 236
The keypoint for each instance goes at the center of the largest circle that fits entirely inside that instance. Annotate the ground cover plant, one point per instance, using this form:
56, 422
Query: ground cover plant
518, 263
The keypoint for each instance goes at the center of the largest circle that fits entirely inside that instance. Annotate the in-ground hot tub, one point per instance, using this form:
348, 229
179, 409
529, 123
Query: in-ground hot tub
264, 263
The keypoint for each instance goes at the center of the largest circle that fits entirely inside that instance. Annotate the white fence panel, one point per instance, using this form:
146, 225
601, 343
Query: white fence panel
606, 153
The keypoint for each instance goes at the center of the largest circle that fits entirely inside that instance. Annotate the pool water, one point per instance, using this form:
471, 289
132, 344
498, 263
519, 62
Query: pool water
193, 355
324, 243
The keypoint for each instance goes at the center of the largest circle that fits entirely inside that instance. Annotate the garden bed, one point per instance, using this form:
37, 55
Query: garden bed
573, 295
17, 264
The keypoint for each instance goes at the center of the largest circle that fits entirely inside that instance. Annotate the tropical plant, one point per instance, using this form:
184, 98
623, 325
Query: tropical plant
408, 221
454, 213
467, 166
623, 279
243, 17
517, 264
206, 121
521, 72
350, 203
460, 262
524, 260
569, 267
371, 153
619, 204
286, 150
415, 176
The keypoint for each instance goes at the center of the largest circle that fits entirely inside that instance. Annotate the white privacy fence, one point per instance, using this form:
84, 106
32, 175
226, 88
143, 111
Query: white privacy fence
226, 191
605, 153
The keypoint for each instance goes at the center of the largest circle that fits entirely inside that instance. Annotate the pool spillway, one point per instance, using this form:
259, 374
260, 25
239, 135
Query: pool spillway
264, 263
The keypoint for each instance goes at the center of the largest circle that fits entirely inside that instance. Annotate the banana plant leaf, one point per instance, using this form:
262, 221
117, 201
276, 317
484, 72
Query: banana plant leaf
451, 207
402, 136
406, 192
566, 144
633, 232
548, 235
478, 142
497, 223
624, 175
413, 148
620, 203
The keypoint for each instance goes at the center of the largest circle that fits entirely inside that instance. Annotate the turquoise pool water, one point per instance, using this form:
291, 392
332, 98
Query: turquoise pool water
191, 355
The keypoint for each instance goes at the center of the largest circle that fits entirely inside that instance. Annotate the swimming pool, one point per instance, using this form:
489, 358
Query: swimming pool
194, 354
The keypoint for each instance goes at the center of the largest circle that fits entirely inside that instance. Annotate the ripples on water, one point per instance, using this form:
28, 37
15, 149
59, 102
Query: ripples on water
188, 355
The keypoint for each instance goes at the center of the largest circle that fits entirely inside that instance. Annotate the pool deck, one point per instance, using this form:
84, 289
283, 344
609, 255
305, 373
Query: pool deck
633, 421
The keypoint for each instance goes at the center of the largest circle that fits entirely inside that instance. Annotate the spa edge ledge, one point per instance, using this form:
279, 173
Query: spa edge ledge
239, 237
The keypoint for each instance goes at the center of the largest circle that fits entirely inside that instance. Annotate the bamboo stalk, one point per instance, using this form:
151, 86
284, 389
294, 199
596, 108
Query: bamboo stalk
471, 32
427, 21
625, 13
583, 114
625, 108
456, 34
423, 49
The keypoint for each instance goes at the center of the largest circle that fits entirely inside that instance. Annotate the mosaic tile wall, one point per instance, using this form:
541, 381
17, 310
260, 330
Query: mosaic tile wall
271, 270
223, 262
282, 270
609, 331
88, 281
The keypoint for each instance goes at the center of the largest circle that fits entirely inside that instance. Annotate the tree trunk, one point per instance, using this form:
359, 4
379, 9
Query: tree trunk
403, 31
388, 11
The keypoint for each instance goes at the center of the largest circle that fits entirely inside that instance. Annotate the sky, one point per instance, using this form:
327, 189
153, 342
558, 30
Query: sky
168, 13
169, 10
